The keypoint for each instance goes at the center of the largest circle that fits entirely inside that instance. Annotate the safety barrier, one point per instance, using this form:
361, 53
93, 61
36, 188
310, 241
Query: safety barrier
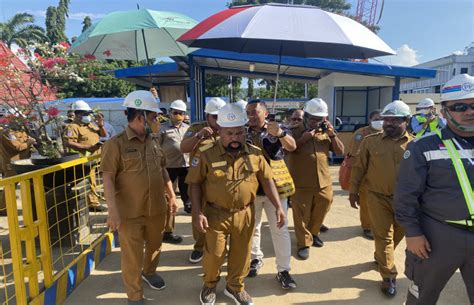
50, 240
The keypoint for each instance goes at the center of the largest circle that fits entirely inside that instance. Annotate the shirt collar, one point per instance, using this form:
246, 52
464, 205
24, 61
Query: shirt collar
223, 151
404, 135
131, 134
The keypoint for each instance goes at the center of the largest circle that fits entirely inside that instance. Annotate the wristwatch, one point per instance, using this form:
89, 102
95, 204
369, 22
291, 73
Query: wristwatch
282, 135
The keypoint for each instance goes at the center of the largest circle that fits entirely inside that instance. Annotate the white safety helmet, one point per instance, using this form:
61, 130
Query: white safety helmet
459, 87
425, 103
141, 99
178, 105
80, 105
231, 115
396, 109
242, 103
213, 105
316, 107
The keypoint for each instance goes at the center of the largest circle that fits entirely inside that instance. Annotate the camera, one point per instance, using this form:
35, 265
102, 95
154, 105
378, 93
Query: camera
323, 126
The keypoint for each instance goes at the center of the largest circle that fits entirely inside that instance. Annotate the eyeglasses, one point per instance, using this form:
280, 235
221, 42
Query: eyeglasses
460, 107
296, 119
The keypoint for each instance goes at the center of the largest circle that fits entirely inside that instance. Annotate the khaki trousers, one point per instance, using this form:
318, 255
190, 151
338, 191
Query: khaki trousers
310, 207
140, 245
223, 225
387, 232
199, 238
92, 196
363, 208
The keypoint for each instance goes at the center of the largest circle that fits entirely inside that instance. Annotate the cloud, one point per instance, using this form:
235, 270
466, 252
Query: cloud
72, 16
405, 56
458, 53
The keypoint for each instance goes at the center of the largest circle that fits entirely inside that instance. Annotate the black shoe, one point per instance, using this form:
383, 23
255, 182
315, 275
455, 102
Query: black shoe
207, 295
389, 287
323, 228
195, 257
97, 208
303, 253
317, 242
240, 298
171, 238
255, 265
154, 281
285, 279
187, 207
368, 234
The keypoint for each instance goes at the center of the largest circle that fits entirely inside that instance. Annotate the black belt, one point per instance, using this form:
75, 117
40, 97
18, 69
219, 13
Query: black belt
235, 210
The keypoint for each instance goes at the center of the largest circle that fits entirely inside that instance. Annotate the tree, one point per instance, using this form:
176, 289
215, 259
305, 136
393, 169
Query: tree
56, 21
218, 85
87, 23
20, 29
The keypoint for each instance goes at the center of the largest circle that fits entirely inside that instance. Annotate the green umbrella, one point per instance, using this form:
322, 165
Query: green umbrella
135, 35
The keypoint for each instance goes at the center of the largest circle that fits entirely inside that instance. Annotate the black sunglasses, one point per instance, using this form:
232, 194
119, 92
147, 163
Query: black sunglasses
460, 107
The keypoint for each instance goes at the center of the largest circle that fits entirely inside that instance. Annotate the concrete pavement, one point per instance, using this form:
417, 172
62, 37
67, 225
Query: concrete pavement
340, 273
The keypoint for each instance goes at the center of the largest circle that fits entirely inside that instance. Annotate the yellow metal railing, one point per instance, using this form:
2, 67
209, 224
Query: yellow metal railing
48, 227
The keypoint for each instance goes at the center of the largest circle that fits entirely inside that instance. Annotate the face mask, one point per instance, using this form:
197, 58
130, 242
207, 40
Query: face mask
86, 119
178, 117
377, 124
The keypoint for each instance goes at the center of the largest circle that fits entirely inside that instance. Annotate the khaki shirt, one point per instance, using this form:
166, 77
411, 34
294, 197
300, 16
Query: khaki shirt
138, 169
87, 134
357, 138
229, 182
192, 131
308, 164
170, 139
378, 162
13, 146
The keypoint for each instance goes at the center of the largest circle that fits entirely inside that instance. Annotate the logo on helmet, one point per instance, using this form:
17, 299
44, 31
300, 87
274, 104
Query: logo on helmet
138, 102
467, 87
231, 117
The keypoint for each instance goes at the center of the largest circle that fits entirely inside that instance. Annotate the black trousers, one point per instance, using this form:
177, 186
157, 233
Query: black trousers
180, 173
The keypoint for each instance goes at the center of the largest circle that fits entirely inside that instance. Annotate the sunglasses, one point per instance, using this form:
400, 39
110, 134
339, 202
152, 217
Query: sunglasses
296, 119
460, 107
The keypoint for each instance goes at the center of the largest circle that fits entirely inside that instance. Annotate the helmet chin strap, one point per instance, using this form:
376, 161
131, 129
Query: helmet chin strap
464, 128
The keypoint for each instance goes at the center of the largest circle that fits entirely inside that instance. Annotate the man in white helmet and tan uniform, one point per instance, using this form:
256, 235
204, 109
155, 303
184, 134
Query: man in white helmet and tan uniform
200, 136
309, 167
135, 184
426, 119
226, 176
83, 136
376, 166
434, 199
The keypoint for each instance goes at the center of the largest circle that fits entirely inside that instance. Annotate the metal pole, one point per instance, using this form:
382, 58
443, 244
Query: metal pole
147, 63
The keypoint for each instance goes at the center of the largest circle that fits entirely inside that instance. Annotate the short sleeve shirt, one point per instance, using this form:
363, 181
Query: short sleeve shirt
138, 169
170, 139
87, 134
227, 181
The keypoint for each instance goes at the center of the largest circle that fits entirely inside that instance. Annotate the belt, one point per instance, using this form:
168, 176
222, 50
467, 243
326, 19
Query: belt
218, 207
462, 227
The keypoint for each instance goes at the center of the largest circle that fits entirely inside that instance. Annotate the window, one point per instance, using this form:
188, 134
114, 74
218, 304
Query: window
463, 70
454, 71
437, 89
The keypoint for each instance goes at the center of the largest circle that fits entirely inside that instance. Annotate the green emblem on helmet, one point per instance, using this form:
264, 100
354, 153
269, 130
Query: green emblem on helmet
138, 102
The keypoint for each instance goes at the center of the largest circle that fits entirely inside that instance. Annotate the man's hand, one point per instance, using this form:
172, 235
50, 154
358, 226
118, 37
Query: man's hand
200, 222
330, 129
308, 134
205, 133
419, 246
274, 129
113, 220
93, 148
99, 119
280, 218
354, 200
172, 205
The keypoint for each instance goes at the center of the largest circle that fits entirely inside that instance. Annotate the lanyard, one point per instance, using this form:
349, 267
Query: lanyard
433, 126
462, 178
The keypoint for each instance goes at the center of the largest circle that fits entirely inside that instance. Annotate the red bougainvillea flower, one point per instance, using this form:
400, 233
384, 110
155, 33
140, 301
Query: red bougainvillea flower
39, 57
49, 63
107, 53
61, 61
65, 44
89, 57
52, 112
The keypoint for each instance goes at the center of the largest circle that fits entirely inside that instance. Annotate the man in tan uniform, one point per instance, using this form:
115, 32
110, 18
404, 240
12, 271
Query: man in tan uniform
135, 183
377, 166
228, 175
15, 145
309, 167
83, 136
201, 135
375, 126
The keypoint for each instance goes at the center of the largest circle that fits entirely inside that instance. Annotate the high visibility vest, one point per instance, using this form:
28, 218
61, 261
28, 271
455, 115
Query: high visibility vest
422, 120
463, 179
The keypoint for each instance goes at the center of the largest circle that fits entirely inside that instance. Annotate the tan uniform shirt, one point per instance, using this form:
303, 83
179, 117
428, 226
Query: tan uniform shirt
229, 182
357, 138
13, 146
192, 131
170, 139
83, 134
308, 164
378, 163
138, 169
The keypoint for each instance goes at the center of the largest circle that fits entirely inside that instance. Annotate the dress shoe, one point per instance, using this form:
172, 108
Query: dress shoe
171, 238
317, 242
389, 287
368, 234
303, 253
323, 228
187, 207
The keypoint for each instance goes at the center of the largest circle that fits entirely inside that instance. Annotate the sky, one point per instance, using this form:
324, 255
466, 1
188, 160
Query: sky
419, 30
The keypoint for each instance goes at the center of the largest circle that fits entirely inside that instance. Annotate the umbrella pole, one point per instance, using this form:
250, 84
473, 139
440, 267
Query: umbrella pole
276, 85
147, 61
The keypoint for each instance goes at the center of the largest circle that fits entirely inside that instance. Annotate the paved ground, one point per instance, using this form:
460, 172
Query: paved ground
340, 273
